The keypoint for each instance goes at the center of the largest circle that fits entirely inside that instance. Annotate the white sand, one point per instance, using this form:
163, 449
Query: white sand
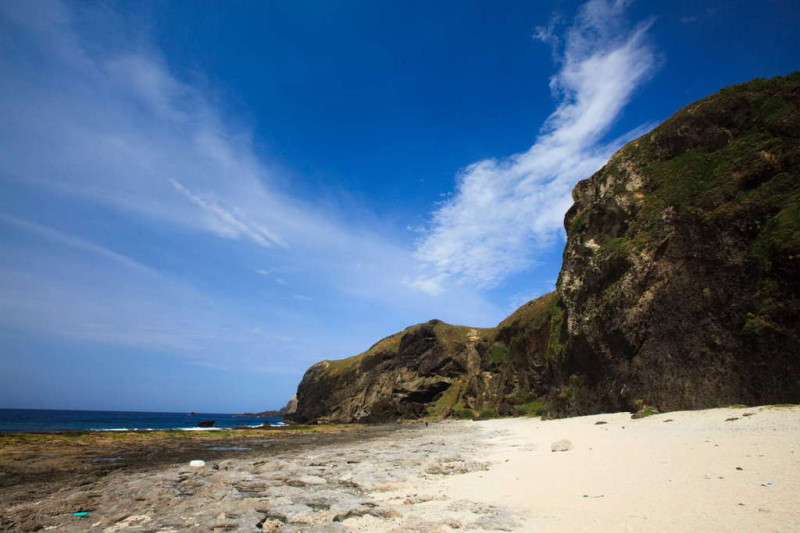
471, 477
641, 475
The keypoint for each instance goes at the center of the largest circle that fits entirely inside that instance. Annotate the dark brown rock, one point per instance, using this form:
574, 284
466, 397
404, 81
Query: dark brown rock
680, 274
680, 289
402, 376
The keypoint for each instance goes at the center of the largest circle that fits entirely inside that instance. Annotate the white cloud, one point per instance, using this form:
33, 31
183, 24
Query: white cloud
431, 285
506, 209
119, 129
104, 297
76, 243
89, 123
228, 224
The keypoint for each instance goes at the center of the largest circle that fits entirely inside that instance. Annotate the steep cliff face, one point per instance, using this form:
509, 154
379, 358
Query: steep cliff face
680, 288
436, 369
402, 376
681, 273
525, 358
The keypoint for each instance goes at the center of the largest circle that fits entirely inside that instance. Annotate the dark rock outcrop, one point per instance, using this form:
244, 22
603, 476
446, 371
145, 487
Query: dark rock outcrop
402, 376
680, 289
681, 274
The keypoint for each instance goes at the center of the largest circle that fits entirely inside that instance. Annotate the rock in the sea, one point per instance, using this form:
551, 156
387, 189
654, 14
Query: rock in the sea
206, 423
563, 445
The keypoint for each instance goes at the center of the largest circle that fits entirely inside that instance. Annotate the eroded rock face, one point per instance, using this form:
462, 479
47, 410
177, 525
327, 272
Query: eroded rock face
291, 407
682, 267
436, 369
399, 377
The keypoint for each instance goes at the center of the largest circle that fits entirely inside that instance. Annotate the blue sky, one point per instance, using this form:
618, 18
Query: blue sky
199, 200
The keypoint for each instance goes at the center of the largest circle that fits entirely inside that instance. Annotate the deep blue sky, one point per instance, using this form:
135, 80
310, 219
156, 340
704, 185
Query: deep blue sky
198, 200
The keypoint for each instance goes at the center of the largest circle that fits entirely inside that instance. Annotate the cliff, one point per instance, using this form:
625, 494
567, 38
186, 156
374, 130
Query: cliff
681, 272
401, 376
680, 288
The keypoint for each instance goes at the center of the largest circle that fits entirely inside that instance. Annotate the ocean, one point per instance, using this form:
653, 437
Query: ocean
60, 420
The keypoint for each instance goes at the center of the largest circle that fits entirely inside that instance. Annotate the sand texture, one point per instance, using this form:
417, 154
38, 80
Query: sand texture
713, 470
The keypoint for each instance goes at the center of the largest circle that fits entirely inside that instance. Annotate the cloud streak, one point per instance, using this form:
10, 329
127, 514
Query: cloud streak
119, 129
504, 210
97, 124
76, 243
102, 296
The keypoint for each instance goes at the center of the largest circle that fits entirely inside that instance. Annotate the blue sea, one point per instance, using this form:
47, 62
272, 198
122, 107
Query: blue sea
57, 420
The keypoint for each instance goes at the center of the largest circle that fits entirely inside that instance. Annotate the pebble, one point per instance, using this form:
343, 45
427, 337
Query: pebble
562, 445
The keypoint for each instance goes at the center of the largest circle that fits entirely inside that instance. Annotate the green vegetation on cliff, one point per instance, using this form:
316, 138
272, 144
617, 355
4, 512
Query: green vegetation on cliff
680, 288
682, 260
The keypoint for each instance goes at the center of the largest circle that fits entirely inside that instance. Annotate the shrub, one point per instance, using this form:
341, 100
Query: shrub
534, 408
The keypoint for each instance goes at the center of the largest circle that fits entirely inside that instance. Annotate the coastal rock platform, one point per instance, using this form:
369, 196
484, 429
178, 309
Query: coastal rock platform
713, 470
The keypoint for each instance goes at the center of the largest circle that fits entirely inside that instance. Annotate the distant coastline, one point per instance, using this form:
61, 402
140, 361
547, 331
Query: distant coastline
262, 414
289, 409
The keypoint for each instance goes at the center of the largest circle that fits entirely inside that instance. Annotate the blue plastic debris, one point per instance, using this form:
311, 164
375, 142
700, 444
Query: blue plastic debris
80, 514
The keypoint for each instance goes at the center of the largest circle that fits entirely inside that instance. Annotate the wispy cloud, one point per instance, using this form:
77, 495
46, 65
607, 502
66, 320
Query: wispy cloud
75, 242
107, 127
230, 224
120, 129
104, 297
505, 209
709, 12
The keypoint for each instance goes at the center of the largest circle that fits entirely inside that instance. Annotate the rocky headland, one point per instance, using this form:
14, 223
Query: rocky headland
286, 411
679, 289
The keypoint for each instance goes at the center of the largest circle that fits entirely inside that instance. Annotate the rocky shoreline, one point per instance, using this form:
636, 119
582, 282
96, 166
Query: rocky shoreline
714, 470
297, 481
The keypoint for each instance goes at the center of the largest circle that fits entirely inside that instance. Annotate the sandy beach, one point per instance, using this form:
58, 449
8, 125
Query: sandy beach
734, 469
